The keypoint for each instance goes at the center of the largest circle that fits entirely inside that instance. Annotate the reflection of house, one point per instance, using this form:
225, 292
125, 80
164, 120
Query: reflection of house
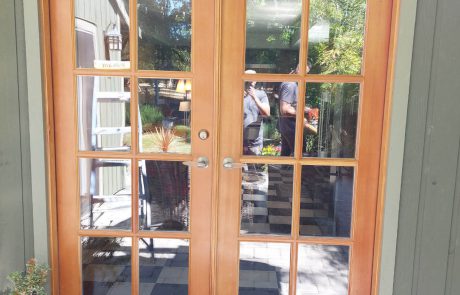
102, 101
98, 30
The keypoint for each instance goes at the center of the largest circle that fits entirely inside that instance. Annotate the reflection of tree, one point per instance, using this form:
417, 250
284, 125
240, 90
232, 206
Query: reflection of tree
273, 38
341, 54
165, 30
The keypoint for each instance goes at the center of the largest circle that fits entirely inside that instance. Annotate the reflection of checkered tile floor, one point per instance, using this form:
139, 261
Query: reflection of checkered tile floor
165, 274
264, 269
267, 204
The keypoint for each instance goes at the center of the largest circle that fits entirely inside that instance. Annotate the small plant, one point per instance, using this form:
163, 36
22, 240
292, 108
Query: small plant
271, 150
164, 138
30, 282
151, 115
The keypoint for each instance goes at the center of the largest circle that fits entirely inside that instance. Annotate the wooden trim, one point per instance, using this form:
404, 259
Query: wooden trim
50, 156
104, 73
291, 239
334, 79
310, 78
303, 161
370, 140
385, 145
215, 143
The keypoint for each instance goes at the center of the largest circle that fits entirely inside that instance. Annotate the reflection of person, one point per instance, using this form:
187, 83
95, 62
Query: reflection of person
288, 95
256, 106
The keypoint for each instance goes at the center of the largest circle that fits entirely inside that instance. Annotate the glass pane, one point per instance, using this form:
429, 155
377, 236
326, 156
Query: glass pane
106, 265
103, 113
163, 266
102, 34
331, 120
336, 36
266, 206
164, 196
105, 194
165, 107
273, 35
165, 30
322, 269
268, 127
264, 268
326, 201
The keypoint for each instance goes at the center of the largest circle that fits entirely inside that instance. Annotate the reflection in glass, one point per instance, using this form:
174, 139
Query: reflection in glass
105, 194
102, 34
331, 119
264, 268
268, 127
163, 266
106, 265
322, 269
164, 196
336, 36
165, 30
103, 113
165, 107
266, 206
326, 201
273, 35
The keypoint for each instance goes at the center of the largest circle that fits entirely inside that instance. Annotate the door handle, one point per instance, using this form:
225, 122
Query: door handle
228, 163
201, 162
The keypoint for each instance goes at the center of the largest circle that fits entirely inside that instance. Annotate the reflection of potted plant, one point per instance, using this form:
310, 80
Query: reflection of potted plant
164, 138
168, 120
169, 186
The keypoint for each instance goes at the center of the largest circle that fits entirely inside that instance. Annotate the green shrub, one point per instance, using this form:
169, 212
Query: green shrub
30, 282
183, 131
151, 115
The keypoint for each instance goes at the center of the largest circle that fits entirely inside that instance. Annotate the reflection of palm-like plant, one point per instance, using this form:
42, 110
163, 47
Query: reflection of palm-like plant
164, 138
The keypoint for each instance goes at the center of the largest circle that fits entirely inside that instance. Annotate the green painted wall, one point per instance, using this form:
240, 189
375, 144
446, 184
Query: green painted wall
428, 258
16, 221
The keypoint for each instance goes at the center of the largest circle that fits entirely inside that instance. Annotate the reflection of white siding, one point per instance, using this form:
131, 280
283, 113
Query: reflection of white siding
102, 14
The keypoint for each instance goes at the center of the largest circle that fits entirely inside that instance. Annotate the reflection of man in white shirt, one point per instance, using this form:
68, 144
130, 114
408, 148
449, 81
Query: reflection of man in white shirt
256, 105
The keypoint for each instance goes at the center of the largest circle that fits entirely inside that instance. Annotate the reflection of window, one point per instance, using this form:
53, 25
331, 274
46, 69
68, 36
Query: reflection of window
86, 43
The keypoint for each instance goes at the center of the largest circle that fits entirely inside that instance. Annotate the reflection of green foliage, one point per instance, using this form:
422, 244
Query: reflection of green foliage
150, 115
166, 33
272, 40
342, 53
183, 131
311, 144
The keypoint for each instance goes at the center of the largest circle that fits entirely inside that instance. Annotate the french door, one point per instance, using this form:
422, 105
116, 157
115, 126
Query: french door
218, 147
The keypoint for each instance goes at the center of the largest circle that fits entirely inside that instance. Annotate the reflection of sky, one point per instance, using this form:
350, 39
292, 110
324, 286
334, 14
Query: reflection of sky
285, 12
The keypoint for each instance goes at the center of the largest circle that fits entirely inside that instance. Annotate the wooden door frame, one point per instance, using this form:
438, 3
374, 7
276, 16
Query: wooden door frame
47, 81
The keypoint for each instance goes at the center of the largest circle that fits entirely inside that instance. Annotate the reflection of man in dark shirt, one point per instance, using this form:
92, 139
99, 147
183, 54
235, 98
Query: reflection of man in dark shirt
256, 105
288, 103
288, 94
